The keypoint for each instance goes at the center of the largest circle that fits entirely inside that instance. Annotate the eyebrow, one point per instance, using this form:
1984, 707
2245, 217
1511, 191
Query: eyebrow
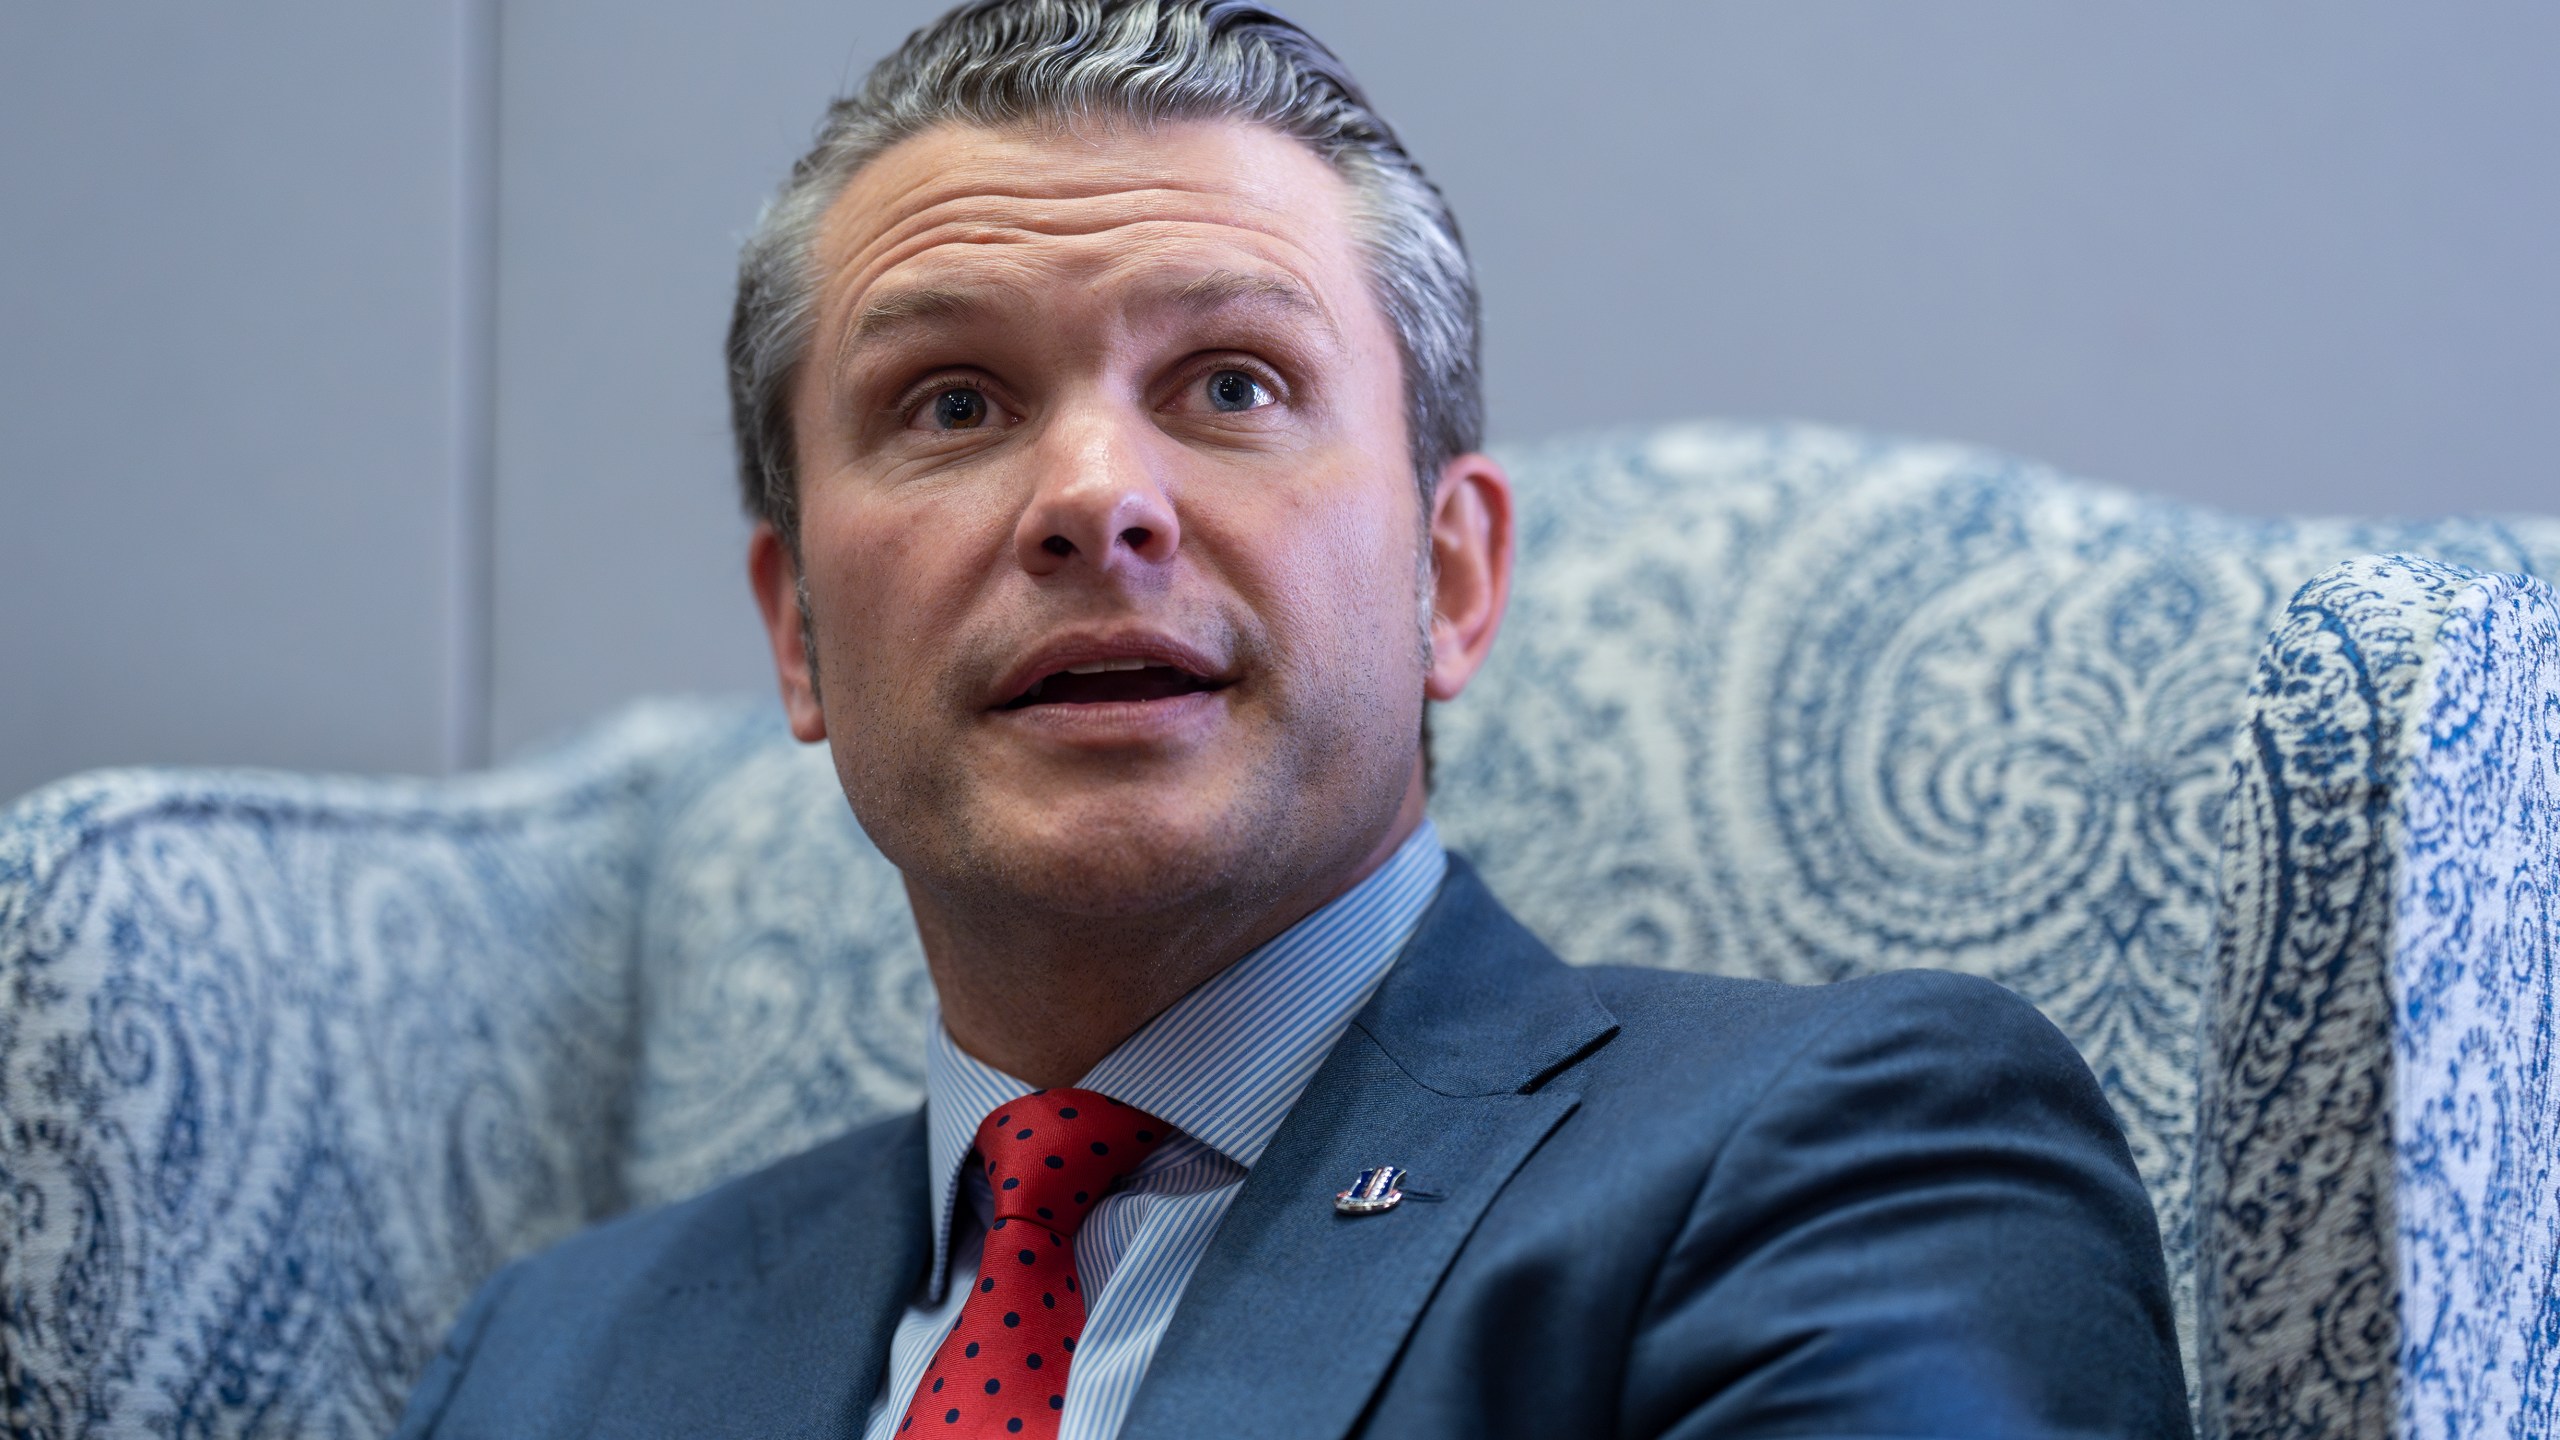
1221, 288
911, 310
926, 307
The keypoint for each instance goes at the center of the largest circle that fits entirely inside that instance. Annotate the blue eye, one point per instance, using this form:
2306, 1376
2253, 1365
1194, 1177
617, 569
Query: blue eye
1233, 390
958, 409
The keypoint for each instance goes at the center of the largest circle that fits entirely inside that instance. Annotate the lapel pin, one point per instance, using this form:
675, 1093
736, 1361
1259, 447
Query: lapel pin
1373, 1192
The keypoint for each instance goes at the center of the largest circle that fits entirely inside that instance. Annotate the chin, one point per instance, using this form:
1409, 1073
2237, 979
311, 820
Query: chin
1104, 859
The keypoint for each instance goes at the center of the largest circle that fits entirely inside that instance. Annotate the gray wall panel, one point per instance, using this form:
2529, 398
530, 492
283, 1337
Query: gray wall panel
2276, 257
634, 158
225, 407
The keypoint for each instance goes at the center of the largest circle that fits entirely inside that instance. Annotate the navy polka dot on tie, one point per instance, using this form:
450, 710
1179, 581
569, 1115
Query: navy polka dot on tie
994, 1385
1068, 1344
972, 1351
1005, 1119
1029, 1257
987, 1284
1055, 1163
950, 1417
1101, 1149
1057, 1402
1011, 1182
1044, 1213
1080, 1197
937, 1384
1032, 1360
1013, 1426
1146, 1137
1071, 1284
1013, 1318
1047, 1302
997, 1226
1021, 1134
1067, 1113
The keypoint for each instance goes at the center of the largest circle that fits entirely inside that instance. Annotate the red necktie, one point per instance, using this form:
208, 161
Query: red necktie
1002, 1371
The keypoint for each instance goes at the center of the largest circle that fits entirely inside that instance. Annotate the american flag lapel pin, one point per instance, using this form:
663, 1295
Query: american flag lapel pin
1373, 1192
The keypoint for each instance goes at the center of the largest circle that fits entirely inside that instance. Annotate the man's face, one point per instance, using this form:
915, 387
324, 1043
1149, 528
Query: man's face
1111, 540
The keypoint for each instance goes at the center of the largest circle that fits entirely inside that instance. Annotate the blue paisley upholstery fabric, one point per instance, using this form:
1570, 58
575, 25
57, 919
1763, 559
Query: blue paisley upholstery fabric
2379, 1190
287, 1064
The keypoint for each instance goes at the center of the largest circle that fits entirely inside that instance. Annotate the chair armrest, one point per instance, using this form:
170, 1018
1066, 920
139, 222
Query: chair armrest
2380, 1124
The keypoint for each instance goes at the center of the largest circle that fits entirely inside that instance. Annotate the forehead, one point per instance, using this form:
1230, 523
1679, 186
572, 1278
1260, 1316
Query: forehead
1088, 211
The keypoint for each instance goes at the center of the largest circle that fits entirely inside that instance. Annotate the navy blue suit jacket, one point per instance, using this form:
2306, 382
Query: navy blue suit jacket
1641, 1203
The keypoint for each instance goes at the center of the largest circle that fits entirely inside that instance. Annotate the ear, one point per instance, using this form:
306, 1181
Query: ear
776, 579
1471, 569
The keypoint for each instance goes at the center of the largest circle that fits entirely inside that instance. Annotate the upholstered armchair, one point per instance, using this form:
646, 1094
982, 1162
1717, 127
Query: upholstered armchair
2266, 816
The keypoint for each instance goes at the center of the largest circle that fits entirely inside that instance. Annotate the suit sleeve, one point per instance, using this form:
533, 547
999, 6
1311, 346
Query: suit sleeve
1929, 1225
434, 1390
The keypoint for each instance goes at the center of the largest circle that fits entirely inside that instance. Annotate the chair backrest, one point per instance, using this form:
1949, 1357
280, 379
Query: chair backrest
1777, 701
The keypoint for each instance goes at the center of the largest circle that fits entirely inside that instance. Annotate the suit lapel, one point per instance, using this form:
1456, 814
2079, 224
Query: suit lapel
1296, 1313
785, 1330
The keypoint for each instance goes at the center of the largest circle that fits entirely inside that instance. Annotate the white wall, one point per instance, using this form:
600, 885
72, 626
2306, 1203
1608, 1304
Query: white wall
2285, 256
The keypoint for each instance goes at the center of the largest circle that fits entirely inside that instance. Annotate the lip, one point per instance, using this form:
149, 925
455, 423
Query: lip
1087, 647
1177, 722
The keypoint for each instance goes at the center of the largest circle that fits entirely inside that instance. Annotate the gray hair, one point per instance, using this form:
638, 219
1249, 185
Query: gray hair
1010, 62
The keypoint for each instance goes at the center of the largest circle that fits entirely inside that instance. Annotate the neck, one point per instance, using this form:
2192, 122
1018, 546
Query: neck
1044, 998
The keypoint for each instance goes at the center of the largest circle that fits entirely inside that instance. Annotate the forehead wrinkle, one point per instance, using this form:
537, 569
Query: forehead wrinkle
993, 209
966, 222
1082, 214
924, 305
909, 221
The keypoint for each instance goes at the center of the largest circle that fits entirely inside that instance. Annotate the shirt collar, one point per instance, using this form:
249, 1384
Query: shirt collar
1224, 1063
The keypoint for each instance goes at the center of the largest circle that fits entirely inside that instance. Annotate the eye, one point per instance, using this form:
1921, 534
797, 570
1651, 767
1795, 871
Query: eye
955, 407
1233, 390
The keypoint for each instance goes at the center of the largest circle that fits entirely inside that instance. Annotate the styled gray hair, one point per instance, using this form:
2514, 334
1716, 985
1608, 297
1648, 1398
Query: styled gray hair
1009, 62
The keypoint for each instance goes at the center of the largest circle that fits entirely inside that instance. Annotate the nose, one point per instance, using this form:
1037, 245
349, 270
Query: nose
1098, 503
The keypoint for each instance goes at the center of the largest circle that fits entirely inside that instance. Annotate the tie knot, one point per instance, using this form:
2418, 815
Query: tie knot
1051, 1154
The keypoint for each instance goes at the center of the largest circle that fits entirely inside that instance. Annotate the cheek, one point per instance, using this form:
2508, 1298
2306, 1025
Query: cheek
890, 582
1346, 580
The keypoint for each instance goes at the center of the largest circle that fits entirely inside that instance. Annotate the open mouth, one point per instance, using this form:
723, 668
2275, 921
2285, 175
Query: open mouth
1107, 682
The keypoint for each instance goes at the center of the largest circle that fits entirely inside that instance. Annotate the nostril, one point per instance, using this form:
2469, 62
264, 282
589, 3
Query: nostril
1136, 537
1058, 545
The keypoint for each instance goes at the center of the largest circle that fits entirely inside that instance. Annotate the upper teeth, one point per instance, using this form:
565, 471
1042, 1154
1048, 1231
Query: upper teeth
1099, 666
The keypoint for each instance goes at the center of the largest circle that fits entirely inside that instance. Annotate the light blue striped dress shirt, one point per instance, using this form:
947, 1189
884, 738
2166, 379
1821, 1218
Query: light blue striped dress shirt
1222, 1066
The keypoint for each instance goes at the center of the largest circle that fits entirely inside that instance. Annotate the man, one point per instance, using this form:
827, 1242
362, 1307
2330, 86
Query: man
1105, 386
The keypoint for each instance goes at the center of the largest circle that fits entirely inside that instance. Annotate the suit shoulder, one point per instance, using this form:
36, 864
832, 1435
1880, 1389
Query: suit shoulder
1717, 1037
1922, 1000
689, 1239
557, 1325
